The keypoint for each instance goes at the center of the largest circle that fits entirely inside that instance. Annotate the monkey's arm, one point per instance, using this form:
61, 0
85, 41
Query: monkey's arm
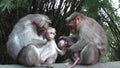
37, 42
78, 45
59, 51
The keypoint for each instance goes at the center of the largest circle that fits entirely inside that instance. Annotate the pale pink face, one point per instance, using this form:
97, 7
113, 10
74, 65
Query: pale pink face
62, 43
51, 34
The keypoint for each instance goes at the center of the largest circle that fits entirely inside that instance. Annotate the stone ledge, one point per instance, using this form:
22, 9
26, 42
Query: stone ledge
115, 64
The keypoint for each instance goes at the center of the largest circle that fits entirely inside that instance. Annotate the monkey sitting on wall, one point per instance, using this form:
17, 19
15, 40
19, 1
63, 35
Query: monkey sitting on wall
90, 38
75, 57
32, 26
38, 53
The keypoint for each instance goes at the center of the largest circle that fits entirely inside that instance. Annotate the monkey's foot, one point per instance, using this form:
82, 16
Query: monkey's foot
67, 63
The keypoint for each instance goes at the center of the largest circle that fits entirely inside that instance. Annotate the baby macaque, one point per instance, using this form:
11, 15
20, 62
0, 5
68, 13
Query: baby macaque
40, 53
53, 50
63, 44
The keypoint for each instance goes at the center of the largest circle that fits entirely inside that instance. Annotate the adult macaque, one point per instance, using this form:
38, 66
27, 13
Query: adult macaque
27, 28
90, 38
39, 53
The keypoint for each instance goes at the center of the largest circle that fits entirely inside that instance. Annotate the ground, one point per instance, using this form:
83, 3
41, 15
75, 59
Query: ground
115, 64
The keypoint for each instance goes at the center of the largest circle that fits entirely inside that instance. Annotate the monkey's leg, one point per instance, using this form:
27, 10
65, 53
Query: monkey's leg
29, 56
89, 54
76, 61
33, 56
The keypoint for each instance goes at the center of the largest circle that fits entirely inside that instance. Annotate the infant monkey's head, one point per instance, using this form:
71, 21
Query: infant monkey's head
50, 33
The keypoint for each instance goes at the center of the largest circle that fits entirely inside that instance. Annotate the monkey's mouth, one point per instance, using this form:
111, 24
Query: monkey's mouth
40, 31
72, 29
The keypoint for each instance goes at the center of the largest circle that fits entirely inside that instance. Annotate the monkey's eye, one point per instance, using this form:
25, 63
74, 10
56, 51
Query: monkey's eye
52, 33
71, 20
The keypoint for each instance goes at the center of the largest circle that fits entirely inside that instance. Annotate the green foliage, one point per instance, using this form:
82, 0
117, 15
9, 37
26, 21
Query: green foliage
92, 7
6, 5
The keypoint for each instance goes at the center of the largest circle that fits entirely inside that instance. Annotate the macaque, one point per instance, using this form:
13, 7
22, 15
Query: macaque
39, 53
63, 44
89, 37
53, 50
32, 26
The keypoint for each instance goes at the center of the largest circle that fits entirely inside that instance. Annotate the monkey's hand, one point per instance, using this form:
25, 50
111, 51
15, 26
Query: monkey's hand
42, 61
62, 53
38, 43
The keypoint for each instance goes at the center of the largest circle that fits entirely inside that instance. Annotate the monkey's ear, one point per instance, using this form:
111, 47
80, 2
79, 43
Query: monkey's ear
78, 19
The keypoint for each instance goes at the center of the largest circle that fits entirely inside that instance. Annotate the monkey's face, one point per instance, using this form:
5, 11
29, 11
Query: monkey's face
50, 34
42, 30
72, 25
